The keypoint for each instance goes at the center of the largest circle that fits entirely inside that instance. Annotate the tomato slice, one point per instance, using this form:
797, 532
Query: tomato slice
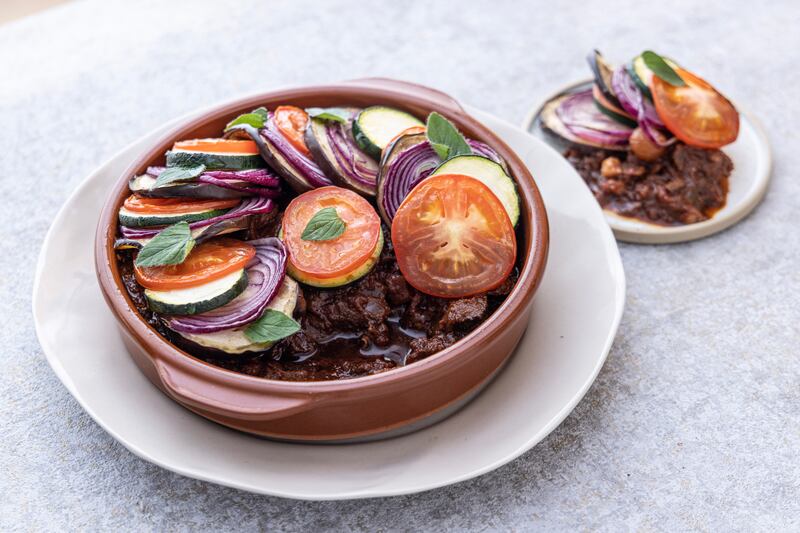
206, 262
453, 238
174, 206
218, 146
341, 255
696, 113
291, 121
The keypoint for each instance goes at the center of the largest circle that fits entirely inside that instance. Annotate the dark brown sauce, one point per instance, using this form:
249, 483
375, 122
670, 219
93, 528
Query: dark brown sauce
684, 186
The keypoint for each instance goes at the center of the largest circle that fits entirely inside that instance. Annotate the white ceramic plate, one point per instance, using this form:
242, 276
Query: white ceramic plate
575, 317
752, 166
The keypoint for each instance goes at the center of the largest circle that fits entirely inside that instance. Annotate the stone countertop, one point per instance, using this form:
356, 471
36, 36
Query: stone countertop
693, 422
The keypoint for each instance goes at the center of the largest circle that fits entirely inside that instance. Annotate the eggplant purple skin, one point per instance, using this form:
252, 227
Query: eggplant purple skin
189, 190
599, 79
330, 166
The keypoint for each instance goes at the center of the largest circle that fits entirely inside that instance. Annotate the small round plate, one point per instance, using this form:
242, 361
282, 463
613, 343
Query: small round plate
575, 316
752, 166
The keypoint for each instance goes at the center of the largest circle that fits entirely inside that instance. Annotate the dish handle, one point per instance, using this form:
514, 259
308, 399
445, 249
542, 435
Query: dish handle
442, 98
187, 385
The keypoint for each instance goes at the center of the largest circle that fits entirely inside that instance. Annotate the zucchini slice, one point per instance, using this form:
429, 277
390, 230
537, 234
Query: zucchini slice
376, 126
214, 161
198, 299
234, 341
350, 277
642, 75
141, 220
490, 174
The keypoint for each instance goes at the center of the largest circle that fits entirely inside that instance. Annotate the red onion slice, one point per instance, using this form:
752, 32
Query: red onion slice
581, 117
635, 104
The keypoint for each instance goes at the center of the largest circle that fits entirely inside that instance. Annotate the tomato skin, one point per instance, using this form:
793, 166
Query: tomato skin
696, 114
141, 204
292, 121
453, 238
339, 256
221, 146
207, 262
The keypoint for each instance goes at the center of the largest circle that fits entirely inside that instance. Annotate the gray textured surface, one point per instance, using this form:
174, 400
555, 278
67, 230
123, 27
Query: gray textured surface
693, 422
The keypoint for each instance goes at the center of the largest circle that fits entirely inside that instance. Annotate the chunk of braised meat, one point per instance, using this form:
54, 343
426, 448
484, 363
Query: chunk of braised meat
299, 345
421, 348
505, 288
360, 307
462, 313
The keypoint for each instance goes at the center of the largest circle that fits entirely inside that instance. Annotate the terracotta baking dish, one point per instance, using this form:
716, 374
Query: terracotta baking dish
375, 406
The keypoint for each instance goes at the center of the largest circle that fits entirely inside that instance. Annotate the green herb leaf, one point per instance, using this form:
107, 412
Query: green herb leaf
255, 118
445, 139
661, 68
173, 174
337, 114
323, 226
170, 247
272, 326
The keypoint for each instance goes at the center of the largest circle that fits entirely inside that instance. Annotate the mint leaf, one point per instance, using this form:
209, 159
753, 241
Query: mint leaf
445, 139
173, 174
170, 247
335, 114
662, 69
323, 226
272, 326
255, 118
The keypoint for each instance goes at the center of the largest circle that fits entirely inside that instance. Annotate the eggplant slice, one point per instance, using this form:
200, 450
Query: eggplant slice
335, 150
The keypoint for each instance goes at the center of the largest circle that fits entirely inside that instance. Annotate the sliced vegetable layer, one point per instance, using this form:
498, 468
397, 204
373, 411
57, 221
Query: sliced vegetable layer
236, 218
140, 211
265, 278
453, 238
207, 262
215, 154
333, 236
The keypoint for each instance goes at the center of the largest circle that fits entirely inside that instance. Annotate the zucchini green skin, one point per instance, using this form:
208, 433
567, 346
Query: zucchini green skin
363, 142
362, 136
641, 74
194, 308
490, 174
350, 277
214, 161
145, 221
615, 116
